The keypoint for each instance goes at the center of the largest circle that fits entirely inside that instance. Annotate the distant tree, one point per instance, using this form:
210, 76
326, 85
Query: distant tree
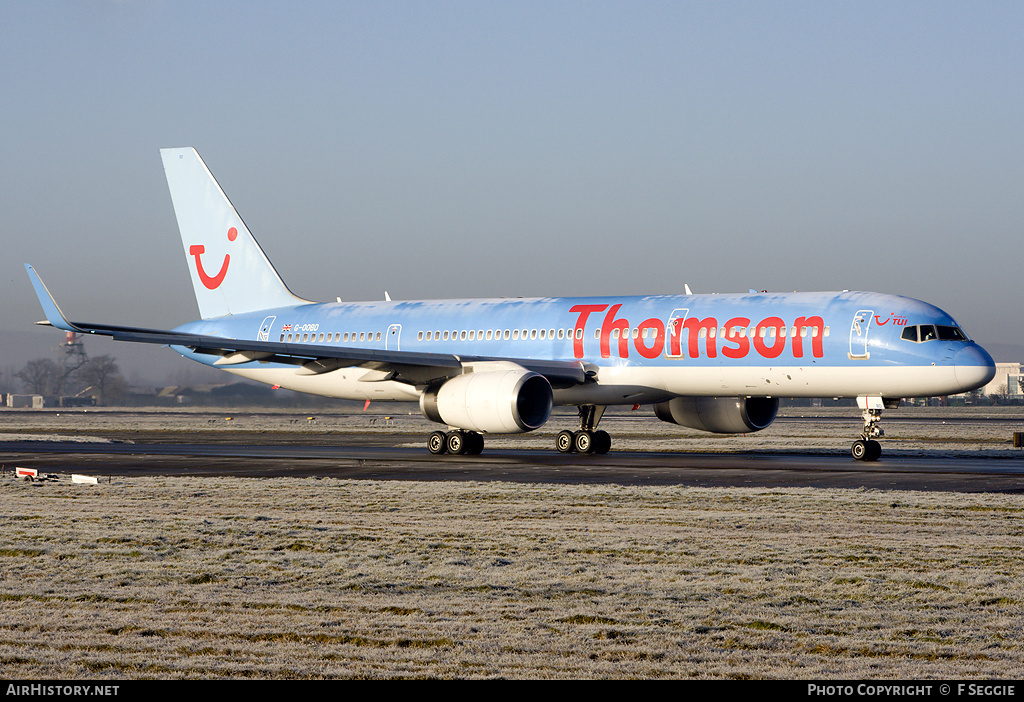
1020, 383
39, 376
8, 378
102, 374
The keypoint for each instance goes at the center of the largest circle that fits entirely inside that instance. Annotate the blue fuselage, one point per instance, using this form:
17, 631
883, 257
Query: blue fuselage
758, 344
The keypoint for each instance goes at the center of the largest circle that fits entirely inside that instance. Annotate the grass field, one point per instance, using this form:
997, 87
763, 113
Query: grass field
324, 578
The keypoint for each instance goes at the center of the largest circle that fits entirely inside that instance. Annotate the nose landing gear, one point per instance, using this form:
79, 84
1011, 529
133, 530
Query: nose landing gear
866, 448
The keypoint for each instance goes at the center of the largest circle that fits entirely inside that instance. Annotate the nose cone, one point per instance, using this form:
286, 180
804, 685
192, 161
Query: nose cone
973, 368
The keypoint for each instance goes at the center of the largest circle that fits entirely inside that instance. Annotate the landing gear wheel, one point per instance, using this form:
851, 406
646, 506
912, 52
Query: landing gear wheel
565, 442
874, 450
859, 450
866, 450
583, 441
602, 441
437, 443
456, 443
474, 443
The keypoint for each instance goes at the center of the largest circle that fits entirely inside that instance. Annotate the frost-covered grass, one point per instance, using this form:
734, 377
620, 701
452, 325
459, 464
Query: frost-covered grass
281, 578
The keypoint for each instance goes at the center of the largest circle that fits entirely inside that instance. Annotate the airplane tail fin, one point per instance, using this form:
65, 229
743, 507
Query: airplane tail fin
230, 273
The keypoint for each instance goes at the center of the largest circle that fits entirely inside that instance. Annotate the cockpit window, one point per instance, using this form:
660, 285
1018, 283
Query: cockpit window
926, 332
951, 334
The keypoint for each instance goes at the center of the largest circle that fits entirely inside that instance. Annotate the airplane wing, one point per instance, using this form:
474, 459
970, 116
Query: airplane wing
407, 366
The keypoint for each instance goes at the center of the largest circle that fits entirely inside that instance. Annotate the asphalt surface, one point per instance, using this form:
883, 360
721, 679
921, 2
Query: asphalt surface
390, 457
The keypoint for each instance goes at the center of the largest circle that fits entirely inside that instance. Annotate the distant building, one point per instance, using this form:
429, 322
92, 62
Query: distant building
25, 401
1006, 381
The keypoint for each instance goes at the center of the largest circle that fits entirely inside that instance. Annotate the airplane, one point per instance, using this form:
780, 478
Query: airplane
713, 362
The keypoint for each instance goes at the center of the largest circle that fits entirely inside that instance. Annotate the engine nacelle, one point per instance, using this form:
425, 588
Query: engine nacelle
494, 402
722, 415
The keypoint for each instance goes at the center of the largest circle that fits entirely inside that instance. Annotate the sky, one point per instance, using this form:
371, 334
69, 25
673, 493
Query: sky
489, 149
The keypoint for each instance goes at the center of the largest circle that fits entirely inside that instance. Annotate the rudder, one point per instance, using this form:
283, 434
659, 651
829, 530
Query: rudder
230, 272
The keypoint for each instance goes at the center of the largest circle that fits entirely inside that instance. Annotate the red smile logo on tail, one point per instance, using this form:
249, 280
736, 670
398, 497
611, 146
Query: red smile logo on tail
212, 282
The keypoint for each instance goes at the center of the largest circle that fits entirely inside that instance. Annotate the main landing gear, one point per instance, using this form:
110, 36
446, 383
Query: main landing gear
866, 448
458, 442
589, 439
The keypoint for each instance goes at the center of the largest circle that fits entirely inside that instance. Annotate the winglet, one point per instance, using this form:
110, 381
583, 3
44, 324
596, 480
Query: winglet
54, 316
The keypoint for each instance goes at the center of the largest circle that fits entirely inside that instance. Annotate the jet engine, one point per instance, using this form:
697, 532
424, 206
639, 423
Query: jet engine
722, 415
496, 402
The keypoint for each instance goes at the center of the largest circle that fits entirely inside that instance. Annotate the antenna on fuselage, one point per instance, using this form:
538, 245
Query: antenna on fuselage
686, 289
387, 298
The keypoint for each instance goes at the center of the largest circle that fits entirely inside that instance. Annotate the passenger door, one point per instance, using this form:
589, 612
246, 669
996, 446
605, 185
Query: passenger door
393, 337
859, 334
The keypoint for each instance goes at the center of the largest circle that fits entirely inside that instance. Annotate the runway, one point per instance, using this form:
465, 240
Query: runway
401, 456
